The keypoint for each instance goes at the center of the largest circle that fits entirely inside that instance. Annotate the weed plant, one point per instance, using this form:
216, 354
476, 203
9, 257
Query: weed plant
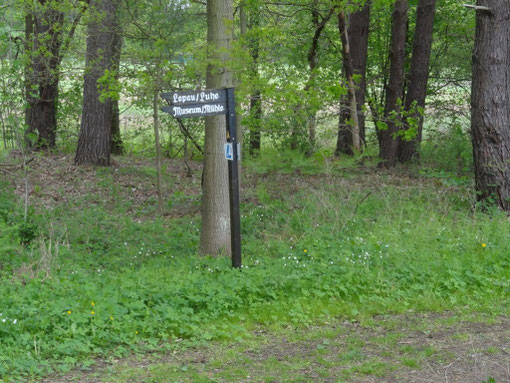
337, 241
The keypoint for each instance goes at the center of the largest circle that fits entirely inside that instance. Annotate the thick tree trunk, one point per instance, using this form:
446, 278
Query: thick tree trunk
215, 234
45, 25
388, 143
95, 134
359, 23
490, 102
417, 89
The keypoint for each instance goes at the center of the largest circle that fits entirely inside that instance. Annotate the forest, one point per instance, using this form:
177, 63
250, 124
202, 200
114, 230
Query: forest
355, 152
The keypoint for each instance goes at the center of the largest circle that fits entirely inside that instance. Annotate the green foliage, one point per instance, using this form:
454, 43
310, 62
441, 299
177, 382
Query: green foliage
24, 229
449, 149
16, 232
11, 95
286, 161
109, 86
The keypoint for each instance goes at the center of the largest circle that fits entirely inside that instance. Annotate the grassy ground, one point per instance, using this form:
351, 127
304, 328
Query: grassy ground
351, 274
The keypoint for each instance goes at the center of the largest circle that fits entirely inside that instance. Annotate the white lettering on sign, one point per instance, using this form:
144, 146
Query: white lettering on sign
179, 111
196, 97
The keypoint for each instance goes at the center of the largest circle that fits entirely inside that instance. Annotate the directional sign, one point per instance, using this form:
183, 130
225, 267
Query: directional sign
213, 96
213, 102
196, 110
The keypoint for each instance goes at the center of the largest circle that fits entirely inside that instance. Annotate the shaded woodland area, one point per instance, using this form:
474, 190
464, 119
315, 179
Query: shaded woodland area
372, 66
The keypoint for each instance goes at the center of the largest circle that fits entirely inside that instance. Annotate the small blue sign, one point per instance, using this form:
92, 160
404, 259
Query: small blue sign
229, 151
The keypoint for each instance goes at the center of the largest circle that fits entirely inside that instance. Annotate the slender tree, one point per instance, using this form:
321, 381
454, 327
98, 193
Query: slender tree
349, 73
418, 79
319, 22
116, 139
94, 143
29, 31
215, 234
359, 22
256, 95
490, 102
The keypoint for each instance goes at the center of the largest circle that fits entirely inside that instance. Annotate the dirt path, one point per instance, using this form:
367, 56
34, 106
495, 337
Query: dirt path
424, 348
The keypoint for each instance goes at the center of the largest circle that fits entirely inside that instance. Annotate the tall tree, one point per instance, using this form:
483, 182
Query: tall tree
48, 34
29, 31
418, 79
44, 25
215, 234
116, 139
388, 142
359, 23
490, 102
319, 22
254, 17
94, 143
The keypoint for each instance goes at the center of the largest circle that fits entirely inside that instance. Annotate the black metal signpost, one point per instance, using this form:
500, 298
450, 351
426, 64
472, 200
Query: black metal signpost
215, 102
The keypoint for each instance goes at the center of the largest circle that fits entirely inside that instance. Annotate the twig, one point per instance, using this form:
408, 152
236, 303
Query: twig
186, 132
477, 7
16, 166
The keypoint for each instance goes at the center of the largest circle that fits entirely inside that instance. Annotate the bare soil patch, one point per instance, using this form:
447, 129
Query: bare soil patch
54, 180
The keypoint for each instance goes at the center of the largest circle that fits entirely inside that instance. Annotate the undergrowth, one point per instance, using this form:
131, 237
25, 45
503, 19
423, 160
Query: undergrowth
331, 243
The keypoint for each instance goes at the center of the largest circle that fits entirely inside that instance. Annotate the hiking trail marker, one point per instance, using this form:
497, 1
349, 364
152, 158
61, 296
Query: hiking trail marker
214, 102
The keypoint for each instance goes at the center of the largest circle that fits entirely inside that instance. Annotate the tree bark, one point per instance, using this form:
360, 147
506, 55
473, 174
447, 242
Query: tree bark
388, 143
490, 102
215, 234
94, 142
359, 23
419, 75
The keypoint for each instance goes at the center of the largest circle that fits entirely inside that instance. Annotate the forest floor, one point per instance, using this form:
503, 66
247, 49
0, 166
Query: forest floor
463, 344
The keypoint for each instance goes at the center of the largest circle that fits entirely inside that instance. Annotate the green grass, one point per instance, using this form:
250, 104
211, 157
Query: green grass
333, 243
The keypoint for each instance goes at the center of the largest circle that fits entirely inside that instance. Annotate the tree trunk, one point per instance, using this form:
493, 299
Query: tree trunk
359, 23
388, 143
29, 80
313, 61
417, 89
94, 142
256, 96
490, 102
155, 109
215, 234
45, 26
116, 144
